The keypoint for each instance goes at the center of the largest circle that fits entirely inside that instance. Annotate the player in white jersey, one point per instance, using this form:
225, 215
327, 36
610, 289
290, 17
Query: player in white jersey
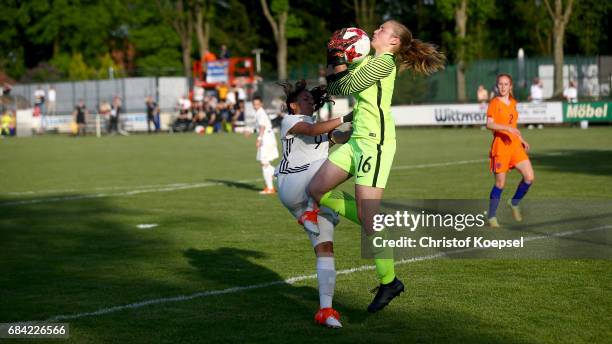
266, 145
305, 148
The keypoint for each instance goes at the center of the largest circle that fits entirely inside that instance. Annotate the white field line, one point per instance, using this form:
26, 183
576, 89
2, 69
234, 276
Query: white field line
438, 164
293, 280
120, 194
103, 188
168, 187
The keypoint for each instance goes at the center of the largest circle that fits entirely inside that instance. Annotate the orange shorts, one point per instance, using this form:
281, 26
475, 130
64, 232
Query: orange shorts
504, 161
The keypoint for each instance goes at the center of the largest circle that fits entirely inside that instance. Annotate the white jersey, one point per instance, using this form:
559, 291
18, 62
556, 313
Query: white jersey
262, 119
267, 150
300, 151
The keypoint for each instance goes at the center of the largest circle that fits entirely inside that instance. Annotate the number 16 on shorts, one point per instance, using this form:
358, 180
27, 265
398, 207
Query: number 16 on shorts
364, 165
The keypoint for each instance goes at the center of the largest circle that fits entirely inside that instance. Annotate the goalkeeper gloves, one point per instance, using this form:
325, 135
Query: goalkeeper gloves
337, 45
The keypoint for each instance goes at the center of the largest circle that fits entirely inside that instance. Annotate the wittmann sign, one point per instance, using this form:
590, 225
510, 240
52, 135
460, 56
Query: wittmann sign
472, 114
592, 112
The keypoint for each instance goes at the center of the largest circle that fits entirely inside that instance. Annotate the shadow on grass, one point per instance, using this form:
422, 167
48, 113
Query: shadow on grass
73, 257
280, 311
79, 256
235, 184
595, 162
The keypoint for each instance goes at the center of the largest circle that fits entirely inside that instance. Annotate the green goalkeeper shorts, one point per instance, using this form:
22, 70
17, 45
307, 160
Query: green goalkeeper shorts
368, 161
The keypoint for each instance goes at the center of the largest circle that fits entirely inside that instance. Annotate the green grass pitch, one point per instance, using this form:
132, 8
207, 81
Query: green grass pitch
70, 245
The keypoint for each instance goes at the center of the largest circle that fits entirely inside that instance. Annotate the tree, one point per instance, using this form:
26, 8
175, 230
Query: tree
461, 17
560, 19
366, 15
465, 42
204, 11
180, 16
588, 30
284, 26
278, 23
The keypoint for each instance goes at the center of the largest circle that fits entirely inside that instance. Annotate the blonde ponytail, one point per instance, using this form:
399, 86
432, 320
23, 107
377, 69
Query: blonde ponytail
424, 58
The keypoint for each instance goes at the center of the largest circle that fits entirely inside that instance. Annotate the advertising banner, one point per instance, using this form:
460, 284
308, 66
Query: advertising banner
472, 114
592, 112
217, 71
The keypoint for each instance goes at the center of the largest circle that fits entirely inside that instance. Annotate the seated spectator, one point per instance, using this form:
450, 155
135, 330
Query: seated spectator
224, 120
184, 105
231, 97
222, 91
239, 115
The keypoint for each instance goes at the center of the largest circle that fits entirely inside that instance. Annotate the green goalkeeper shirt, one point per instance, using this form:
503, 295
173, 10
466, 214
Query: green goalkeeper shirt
371, 83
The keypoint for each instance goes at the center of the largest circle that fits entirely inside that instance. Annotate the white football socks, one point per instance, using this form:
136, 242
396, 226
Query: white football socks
268, 175
326, 275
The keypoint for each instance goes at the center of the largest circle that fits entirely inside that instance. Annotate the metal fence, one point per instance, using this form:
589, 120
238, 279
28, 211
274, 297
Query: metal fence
132, 91
592, 74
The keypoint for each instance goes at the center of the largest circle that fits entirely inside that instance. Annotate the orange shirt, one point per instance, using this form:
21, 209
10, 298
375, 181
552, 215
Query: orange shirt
506, 115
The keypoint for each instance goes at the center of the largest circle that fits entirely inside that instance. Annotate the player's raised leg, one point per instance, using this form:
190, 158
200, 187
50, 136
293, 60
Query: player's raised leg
328, 177
526, 170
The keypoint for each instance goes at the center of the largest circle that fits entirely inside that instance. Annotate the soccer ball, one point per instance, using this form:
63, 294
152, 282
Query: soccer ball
357, 51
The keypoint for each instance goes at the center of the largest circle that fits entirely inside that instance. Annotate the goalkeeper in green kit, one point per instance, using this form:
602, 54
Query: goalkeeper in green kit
368, 155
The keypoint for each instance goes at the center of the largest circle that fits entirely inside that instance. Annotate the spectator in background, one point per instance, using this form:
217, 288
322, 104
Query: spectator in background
152, 114
198, 96
230, 99
6, 89
114, 115
184, 105
200, 122
224, 117
536, 92
571, 93
79, 114
482, 94
239, 115
223, 52
7, 123
39, 97
241, 93
104, 109
222, 91
51, 98
209, 56
322, 79
39, 102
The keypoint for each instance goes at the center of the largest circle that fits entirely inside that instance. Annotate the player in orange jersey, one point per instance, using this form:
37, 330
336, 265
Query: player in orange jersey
508, 149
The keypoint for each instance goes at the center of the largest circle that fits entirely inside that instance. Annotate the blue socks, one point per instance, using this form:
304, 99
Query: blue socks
521, 190
494, 199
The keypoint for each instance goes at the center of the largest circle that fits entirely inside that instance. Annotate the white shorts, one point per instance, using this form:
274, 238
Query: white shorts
268, 150
292, 194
